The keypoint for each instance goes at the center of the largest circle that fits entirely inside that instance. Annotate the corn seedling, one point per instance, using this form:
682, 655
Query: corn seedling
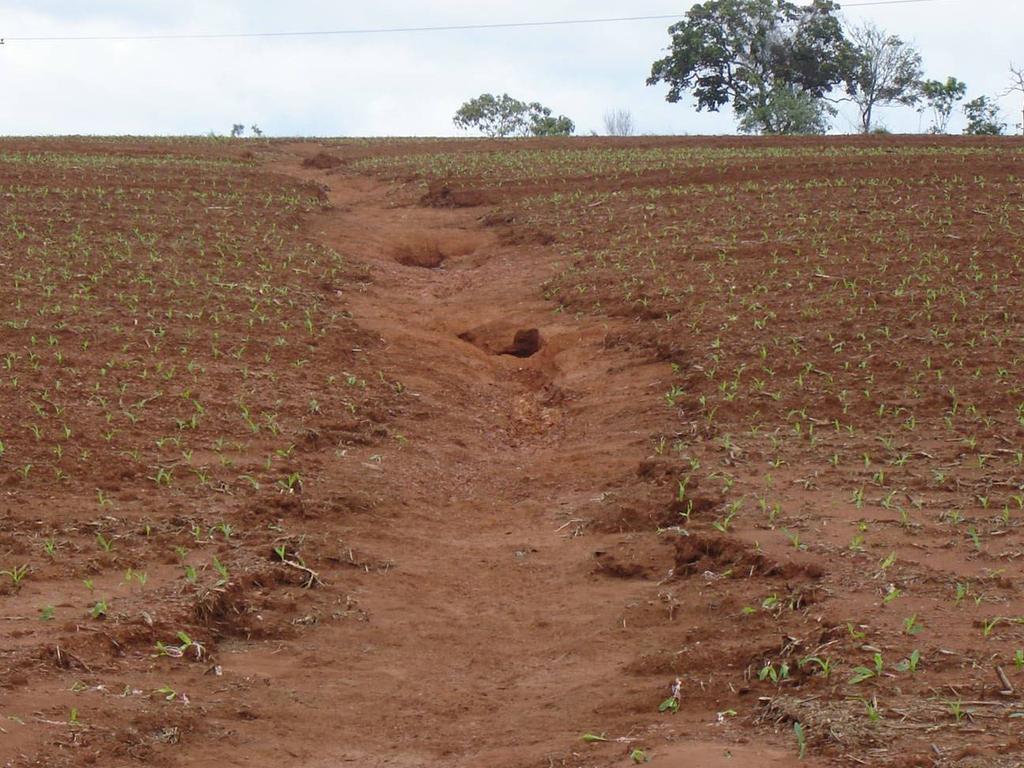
956, 709
16, 574
910, 663
911, 626
862, 673
801, 739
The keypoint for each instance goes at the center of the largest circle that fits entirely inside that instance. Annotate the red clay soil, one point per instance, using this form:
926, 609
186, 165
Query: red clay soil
426, 515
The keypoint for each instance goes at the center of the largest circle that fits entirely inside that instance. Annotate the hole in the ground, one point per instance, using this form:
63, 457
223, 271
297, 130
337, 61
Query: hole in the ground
433, 248
421, 253
526, 343
494, 341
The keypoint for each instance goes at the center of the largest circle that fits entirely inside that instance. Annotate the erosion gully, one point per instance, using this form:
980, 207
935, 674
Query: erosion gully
488, 635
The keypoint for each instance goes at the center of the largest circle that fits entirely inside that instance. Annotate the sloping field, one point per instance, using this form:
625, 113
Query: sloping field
533, 453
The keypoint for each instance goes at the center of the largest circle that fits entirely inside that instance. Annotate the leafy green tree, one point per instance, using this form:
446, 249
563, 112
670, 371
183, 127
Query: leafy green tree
497, 116
492, 115
543, 123
752, 53
941, 97
983, 117
883, 70
788, 111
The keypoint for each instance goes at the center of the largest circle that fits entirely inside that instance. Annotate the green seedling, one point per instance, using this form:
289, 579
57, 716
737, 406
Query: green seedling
801, 739
291, 484
988, 627
892, 593
17, 574
673, 395
873, 712
860, 674
911, 626
222, 571
956, 709
963, 589
671, 704
769, 672
794, 539
910, 663
168, 693
824, 665
185, 645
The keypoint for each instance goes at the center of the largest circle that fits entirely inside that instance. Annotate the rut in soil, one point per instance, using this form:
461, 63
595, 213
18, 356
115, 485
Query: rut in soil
497, 638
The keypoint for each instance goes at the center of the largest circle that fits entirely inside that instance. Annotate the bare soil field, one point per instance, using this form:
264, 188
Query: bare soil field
585, 452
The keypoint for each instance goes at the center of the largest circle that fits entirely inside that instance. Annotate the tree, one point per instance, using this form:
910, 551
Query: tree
619, 122
788, 111
492, 115
883, 70
542, 123
941, 97
1016, 86
237, 129
983, 117
751, 53
496, 116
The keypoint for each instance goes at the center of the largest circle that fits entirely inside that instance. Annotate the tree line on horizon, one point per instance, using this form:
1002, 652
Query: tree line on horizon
781, 67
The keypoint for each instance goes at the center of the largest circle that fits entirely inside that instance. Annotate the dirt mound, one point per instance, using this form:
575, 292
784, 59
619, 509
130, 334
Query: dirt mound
698, 554
323, 161
511, 232
525, 236
442, 195
637, 558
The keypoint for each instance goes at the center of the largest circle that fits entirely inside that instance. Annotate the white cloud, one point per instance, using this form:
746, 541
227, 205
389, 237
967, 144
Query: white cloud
398, 84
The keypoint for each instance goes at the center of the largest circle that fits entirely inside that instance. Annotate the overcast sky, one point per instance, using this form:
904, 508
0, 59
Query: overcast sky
407, 83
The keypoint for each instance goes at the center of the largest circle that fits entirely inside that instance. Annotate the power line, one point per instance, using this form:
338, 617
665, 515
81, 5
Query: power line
331, 32
384, 30
882, 2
